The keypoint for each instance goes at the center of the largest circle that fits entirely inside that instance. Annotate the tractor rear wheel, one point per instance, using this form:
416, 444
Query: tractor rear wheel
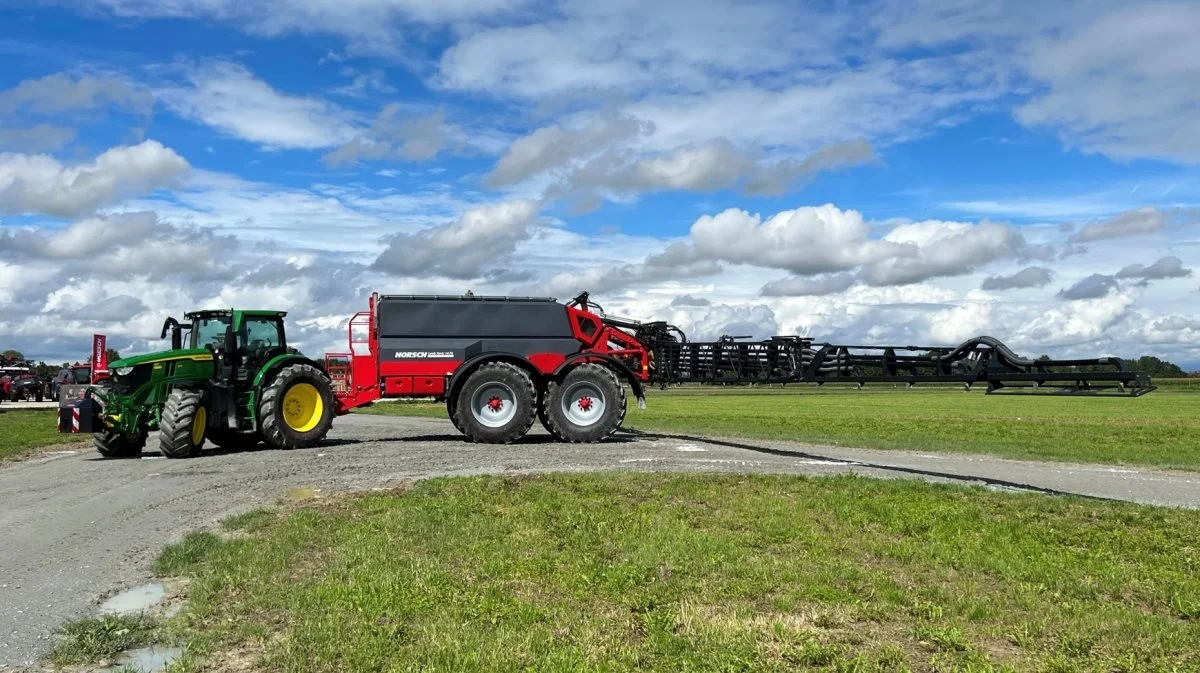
183, 424
588, 405
112, 444
296, 410
496, 404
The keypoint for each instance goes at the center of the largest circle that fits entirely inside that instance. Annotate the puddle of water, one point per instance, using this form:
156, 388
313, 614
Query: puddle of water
149, 659
132, 601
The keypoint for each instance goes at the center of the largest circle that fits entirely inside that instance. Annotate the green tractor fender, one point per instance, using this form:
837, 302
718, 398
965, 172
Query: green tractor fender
270, 370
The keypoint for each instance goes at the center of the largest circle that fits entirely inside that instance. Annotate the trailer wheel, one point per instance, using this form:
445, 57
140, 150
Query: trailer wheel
452, 412
587, 406
296, 410
113, 444
496, 404
544, 417
183, 424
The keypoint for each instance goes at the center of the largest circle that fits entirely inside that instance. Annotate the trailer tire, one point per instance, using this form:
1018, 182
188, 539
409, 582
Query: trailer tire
183, 424
296, 410
497, 404
544, 417
588, 405
452, 412
112, 444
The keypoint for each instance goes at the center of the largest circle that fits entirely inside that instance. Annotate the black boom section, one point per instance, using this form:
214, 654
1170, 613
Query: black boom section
793, 359
467, 317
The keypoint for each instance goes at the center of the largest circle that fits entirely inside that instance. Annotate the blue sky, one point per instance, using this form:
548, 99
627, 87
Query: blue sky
874, 171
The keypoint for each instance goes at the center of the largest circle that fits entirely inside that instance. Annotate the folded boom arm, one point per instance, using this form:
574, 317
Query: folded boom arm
793, 359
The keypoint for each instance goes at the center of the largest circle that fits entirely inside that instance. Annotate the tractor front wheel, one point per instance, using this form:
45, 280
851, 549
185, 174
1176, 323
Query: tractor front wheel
112, 444
588, 405
296, 410
183, 425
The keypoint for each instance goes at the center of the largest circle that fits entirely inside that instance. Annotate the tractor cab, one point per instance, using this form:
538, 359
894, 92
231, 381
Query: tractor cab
244, 340
257, 336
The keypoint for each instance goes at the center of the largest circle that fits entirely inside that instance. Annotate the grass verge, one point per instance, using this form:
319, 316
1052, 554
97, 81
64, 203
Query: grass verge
1160, 429
696, 572
24, 430
99, 639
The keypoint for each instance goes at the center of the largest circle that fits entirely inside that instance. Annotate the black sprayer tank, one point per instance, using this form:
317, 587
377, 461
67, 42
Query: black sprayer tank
418, 327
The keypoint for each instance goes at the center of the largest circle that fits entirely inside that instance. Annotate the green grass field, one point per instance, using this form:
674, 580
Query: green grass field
25, 430
1160, 429
616, 572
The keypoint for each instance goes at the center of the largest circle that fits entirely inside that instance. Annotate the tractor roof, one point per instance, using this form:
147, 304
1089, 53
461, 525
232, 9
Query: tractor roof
228, 311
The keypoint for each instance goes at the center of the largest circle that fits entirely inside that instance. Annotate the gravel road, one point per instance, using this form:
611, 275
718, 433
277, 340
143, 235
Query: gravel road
77, 528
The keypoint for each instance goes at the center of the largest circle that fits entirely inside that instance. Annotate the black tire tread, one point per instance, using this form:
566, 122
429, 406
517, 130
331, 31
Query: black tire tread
115, 445
489, 372
175, 423
271, 428
452, 411
559, 426
544, 418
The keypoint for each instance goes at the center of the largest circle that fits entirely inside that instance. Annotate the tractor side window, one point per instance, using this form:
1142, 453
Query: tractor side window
260, 333
207, 331
82, 375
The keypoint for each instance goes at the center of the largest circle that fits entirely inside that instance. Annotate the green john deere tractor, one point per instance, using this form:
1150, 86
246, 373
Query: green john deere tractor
236, 383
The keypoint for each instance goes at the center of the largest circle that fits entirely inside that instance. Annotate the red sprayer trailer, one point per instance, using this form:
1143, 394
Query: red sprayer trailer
499, 363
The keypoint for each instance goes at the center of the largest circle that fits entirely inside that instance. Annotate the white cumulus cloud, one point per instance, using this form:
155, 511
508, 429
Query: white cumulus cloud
469, 247
40, 184
231, 99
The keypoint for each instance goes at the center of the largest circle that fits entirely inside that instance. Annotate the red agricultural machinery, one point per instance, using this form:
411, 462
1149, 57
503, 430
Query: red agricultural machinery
19, 381
499, 363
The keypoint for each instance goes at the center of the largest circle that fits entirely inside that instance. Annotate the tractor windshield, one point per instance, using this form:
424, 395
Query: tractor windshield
209, 330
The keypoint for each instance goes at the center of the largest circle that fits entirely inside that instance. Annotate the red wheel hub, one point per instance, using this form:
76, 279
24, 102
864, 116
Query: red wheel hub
585, 403
495, 403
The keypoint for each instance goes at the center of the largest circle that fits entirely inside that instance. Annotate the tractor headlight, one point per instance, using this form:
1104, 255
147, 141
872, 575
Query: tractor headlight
123, 371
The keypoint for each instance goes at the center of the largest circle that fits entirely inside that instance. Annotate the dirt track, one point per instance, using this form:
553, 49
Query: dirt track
77, 528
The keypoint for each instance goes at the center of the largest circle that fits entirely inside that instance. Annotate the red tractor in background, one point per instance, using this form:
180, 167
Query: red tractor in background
19, 382
74, 379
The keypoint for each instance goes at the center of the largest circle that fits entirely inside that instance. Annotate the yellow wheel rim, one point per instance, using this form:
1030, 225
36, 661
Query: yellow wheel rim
199, 421
302, 407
